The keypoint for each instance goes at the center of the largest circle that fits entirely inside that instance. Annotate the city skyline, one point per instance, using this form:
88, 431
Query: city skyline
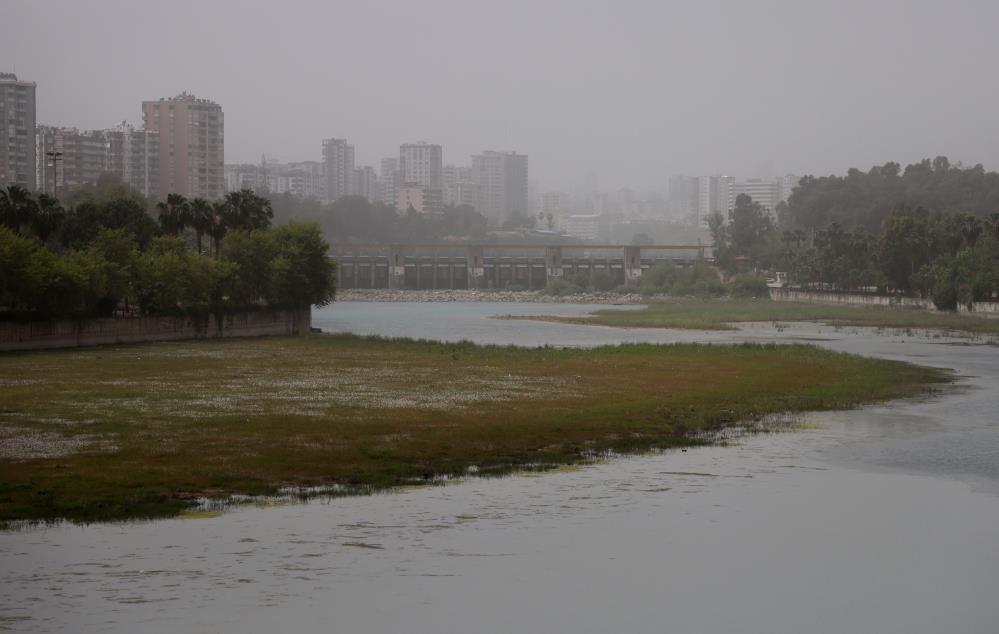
651, 91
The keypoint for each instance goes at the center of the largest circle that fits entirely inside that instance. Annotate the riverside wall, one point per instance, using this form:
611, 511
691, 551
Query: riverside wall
976, 309
73, 333
980, 309
850, 299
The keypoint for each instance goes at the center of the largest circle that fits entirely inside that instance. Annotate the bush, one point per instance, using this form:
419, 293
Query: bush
602, 281
560, 287
749, 285
699, 280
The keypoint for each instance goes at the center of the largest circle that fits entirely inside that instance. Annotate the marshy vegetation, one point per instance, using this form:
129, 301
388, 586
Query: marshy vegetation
142, 431
720, 314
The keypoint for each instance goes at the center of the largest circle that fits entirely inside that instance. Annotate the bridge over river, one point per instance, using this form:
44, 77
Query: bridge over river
530, 266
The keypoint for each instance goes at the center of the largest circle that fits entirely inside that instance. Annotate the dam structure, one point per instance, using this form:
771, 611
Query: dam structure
429, 266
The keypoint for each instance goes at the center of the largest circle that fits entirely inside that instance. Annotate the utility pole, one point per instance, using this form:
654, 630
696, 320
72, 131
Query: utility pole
56, 156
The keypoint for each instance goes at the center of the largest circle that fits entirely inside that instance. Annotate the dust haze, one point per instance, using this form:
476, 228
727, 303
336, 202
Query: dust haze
630, 91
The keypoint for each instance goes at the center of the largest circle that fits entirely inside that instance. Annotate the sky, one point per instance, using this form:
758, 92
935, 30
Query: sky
631, 91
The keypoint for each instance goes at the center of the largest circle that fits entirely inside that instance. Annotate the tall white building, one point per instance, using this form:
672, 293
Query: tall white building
787, 184
460, 187
131, 154
421, 165
366, 184
338, 156
389, 180
765, 192
713, 194
303, 178
553, 206
17, 131
502, 184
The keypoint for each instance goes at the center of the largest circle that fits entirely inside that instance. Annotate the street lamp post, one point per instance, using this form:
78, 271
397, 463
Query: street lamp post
56, 156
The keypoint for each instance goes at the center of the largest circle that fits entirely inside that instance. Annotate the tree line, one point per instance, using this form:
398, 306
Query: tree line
104, 253
358, 219
931, 231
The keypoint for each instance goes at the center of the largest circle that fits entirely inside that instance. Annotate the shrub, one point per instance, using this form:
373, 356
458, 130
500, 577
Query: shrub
560, 287
749, 285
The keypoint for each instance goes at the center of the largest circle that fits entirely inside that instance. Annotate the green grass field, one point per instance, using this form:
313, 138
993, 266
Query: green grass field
140, 431
719, 314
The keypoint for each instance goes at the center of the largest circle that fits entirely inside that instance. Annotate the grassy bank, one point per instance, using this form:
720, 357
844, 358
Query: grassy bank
139, 431
719, 314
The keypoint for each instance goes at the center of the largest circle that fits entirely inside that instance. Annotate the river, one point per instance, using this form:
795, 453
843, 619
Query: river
884, 519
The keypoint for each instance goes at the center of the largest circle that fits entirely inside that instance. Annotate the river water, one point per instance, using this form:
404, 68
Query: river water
883, 520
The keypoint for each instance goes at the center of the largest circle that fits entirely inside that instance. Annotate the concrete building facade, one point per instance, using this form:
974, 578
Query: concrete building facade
410, 197
765, 192
84, 156
338, 156
366, 184
421, 164
18, 156
192, 145
502, 185
389, 180
712, 194
460, 187
133, 154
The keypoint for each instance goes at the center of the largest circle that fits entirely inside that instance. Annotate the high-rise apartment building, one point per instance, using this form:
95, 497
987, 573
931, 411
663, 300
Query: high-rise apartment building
17, 132
787, 184
338, 155
712, 194
304, 178
769, 193
192, 142
765, 192
502, 185
134, 156
240, 176
421, 164
84, 156
460, 187
366, 184
390, 179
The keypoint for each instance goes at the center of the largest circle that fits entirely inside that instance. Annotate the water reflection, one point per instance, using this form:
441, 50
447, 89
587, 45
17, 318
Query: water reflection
844, 526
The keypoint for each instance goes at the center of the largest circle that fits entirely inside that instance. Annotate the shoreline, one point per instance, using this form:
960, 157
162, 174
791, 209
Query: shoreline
351, 411
475, 295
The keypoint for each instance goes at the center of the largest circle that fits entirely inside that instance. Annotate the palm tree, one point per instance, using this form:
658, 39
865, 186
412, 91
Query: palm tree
201, 217
992, 224
222, 220
16, 207
47, 218
971, 229
174, 214
249, 210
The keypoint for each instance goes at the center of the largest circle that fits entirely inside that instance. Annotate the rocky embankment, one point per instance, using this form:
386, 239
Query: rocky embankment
385, 295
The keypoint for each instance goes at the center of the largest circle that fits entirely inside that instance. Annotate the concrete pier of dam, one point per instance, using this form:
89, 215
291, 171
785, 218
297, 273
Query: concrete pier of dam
471, 266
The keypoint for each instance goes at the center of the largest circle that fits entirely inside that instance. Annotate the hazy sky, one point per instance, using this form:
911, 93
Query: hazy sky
634, 91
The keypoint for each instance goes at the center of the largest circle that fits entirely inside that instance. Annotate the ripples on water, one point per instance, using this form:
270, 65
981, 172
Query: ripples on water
844, 526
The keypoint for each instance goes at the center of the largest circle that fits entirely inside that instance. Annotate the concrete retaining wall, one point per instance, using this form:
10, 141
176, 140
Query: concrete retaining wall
819, 297
70, 333
980, 309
